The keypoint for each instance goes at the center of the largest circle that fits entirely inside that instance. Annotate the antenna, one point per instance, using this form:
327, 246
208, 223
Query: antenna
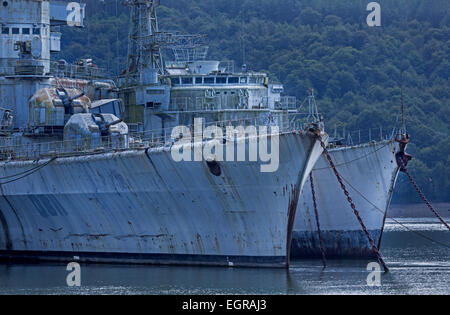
402, 105
313, 112
117, 39
242, 39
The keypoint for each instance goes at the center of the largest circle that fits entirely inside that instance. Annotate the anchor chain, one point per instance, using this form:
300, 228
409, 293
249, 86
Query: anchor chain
313, 191
402, 161
352, 204
421, 194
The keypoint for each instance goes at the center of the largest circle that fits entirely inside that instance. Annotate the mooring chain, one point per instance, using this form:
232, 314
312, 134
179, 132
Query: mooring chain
352, 204
421, 194
313, 191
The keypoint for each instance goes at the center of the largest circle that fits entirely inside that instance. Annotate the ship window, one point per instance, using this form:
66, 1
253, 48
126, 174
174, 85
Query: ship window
252, 80
36, 31
233, 80
199, 80
221, 80
155, 92
15, 30
243, 80
187, 80
5, 30
176, 81
26, 31
152, 105
209, 80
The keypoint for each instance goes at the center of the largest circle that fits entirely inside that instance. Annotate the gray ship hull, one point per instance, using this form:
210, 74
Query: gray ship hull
370, 172
140, 206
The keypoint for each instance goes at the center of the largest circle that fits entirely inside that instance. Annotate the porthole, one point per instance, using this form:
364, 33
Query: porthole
214, 168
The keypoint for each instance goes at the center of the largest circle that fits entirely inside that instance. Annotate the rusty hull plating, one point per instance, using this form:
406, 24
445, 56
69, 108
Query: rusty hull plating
370, 172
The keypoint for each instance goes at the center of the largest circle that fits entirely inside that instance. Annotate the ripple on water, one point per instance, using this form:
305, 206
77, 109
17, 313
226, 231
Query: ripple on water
417, 267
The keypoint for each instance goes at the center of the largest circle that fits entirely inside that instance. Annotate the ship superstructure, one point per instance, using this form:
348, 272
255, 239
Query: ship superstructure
159, 95
41, 94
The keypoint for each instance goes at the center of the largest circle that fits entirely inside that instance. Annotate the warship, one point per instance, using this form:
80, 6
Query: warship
369, 170
87, 171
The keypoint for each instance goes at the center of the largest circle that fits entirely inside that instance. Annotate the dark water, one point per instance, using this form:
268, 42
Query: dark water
417, 267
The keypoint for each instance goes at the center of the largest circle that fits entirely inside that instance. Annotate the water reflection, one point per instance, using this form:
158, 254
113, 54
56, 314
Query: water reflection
417, 267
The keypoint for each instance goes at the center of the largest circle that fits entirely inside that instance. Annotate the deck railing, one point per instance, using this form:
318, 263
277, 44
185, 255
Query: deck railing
58, 69
363, 136
87, 72
12, 148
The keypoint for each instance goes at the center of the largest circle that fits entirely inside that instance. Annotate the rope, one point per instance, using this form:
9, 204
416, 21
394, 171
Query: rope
421, 194
313, 191
344, 188
422, 126
402, 109
21, 173
27, 173
393, 219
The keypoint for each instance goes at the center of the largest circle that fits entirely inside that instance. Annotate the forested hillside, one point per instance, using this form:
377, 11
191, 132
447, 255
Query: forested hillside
323, 44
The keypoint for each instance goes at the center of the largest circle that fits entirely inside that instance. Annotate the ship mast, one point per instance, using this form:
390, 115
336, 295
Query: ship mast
145, 61
144, 53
